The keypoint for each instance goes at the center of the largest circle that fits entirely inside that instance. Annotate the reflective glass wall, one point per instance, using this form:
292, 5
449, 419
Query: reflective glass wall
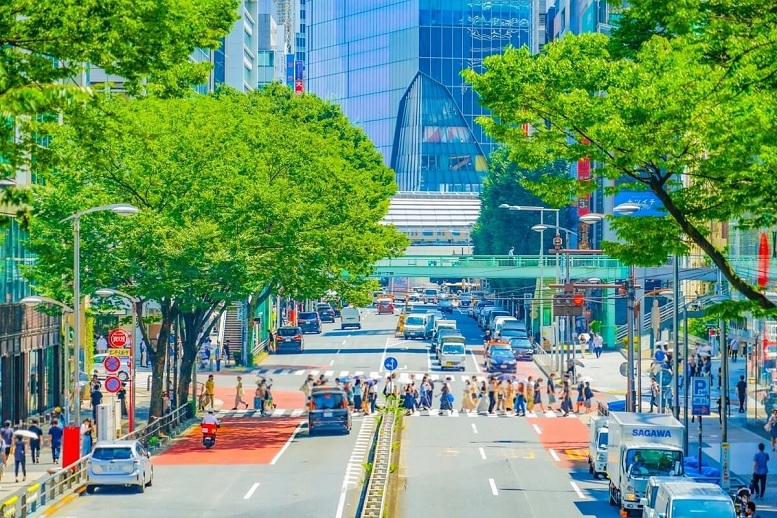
393, 65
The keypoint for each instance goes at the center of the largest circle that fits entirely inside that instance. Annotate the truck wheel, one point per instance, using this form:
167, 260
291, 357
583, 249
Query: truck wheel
591, 468
612, 499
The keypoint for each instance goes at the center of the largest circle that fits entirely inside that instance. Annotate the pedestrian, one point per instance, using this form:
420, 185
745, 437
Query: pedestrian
218, 353
6, 432
760, 470
538, 395
35, 443
588, 394
733, 349
520, 400
20, 458
500, 397
389, 389
261, 392
598, 344
511, 252
483, 402
306, 387
566, 398
467, 403
2, 458
491, 396
227, 353
239, 393
96, 398
122, 395
750, 513
210, 387
55, 432
580, 398
102, 345
654, 394
357, 395
143, 353
373, 397
551, 390
86, 437
408, 401
509, 397
94, 383
771, 427
742, 393
166, 403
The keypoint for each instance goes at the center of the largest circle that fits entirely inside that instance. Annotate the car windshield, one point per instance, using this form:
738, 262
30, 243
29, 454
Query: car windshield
307, 316
697, 508
414, 321
288, 331
112, 453
501, 352
324, 308
453, 349
327, 401
520, 344
649, 462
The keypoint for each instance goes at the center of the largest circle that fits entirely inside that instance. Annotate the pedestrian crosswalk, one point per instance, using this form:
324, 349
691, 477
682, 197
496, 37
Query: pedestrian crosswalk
300, 412
455, 413
401, 376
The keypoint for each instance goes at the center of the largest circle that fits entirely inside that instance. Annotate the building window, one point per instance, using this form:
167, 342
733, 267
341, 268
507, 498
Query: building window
33, 385
266, 58
429, 163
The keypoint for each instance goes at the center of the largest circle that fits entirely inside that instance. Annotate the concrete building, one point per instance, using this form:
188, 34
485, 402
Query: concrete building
394, 67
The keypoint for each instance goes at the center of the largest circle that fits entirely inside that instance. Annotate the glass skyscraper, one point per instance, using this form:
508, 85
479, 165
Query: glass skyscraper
394, 66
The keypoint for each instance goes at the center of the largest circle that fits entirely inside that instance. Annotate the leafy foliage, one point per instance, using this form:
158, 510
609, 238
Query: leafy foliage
45, 45
666, 119
237, 193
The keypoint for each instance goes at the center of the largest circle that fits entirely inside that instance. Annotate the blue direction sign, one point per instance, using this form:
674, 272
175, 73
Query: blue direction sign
700, 393
390, 363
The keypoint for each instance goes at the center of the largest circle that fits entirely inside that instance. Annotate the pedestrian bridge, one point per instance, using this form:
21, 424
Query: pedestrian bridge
595, 266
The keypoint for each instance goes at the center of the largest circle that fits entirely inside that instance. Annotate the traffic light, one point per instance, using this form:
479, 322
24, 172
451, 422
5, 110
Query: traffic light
568, 304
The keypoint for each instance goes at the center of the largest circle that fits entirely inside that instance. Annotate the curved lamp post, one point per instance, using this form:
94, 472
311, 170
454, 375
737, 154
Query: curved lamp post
36, 300
121, 209
105, 293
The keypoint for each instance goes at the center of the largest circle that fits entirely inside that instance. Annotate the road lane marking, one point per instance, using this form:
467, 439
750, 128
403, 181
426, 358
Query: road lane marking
329, 374
298, 412
278, 412
285, 446
429, 360
474, 428
314, 372
577, 489
343, 374
482, 453
475, 361
554, 455
251, 491
299, 372
343, 343
331, 363
493, 487
537, 429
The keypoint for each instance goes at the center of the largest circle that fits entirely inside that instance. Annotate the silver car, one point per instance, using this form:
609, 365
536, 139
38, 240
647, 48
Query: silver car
119, 463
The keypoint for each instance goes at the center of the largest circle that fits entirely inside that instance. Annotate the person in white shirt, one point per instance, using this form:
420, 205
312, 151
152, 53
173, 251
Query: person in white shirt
102, 344
211, 419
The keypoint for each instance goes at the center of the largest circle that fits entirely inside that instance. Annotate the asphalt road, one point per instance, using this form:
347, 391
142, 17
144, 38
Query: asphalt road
264, 466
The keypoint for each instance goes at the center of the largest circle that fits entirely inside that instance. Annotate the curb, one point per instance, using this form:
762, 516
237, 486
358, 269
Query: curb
64, 501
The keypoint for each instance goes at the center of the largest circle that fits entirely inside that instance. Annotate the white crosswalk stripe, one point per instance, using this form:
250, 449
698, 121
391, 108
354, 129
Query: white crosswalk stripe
278, 413
473, 414
401, 376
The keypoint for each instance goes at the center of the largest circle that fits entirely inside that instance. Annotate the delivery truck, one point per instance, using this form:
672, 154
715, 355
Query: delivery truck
597, 446
640, 446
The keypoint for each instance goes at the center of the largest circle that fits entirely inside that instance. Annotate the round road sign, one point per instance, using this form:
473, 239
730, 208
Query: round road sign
112, 384
112, 363
119, 338
664, 377
390, 363
624, 369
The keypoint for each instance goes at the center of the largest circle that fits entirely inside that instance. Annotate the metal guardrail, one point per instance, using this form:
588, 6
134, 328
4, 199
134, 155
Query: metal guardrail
70, 479
261, 346
375, 500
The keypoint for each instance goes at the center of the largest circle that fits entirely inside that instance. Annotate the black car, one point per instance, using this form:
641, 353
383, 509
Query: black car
328, 410
309, 322
522, 348
325, 313
289, 338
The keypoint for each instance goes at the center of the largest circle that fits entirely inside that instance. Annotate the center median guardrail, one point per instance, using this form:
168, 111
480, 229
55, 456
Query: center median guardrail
70, 480
374, 502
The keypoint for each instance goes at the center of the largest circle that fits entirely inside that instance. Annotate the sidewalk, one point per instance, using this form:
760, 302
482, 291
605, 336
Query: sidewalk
744, 430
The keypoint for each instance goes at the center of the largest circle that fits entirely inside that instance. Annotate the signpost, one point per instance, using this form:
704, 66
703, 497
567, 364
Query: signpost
112, 364
112, 384
119, 339
390, 363
700, 404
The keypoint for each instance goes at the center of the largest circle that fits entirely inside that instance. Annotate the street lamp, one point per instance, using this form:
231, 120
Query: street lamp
106, 292
121, 209
36, 300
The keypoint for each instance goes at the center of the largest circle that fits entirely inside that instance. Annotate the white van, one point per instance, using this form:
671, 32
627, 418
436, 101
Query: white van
680, 500
350, 317
496, 325
453, 353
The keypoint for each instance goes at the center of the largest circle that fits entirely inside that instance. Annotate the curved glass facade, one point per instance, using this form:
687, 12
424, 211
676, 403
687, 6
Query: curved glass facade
391, 63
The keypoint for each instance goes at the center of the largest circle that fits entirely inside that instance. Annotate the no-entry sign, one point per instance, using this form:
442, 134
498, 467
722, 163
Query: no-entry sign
119, 338
112, 363
112, 384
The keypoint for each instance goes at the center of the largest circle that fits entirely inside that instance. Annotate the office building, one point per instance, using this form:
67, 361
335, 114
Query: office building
394, 67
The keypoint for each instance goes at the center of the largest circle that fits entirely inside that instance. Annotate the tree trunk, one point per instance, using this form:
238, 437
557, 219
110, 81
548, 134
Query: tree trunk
158, 353
193, 323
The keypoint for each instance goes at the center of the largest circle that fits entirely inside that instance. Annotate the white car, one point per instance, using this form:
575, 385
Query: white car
119, 463
98, 366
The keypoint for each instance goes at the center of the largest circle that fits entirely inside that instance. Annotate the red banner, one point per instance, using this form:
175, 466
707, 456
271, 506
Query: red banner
583, 175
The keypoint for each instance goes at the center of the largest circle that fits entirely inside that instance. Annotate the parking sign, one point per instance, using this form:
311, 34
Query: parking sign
700, 392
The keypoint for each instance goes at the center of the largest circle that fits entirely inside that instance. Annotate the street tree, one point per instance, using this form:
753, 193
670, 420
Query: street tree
236, 196
45, 46
665, 119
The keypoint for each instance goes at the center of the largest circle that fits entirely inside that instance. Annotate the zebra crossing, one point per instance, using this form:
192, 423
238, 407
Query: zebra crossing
401, 376
300, 412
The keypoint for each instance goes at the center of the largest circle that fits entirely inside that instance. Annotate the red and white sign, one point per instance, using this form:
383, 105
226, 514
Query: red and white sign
112, 384
119, 339
112, 364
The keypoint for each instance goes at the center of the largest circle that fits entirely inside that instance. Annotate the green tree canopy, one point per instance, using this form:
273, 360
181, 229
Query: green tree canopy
45, 46
667, 119
237, 193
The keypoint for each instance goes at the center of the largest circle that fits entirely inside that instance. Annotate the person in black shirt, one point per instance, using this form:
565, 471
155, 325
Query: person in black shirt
35, 443
97, 398
742, 393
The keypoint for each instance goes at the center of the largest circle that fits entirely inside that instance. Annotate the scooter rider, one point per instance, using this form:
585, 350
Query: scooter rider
211, 419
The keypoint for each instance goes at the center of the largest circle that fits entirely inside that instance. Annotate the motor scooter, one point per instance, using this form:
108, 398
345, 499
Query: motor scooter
209, 435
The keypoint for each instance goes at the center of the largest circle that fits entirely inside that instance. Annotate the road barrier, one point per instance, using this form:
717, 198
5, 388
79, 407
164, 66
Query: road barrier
45, 493
261, 346
374, 501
